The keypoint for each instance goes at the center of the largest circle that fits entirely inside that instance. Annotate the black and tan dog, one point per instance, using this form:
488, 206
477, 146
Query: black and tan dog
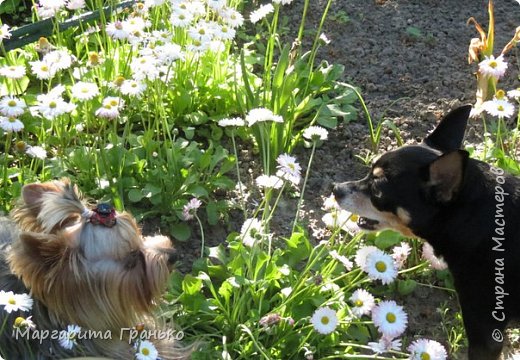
90, 268
466, 209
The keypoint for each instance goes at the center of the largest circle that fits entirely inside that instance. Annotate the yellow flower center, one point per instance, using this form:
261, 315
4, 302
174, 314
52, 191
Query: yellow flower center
354, 217
500, 94
202, 31
108, 106
325, 320
182, 17
358, 303
12, 120
44, 68
113, 102
19, 321
11, 103
53, 104
500, 108
134, 85
119, 80
12, 68
12, 301
391, 318
425, 356
119, 26
145, 351
381, 266
84, 90
493, 64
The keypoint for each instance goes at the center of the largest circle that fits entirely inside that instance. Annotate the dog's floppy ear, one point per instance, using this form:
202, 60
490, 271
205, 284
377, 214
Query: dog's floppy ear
449, 133
32, 193
446, 174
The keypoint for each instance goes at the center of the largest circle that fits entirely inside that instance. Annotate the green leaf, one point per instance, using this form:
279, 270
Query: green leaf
298, 248
180, 232
135, 195
212, 212
191, 285
387, 238
406, 287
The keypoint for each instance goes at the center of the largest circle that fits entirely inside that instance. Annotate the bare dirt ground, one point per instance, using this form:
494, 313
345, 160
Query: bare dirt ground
413, 51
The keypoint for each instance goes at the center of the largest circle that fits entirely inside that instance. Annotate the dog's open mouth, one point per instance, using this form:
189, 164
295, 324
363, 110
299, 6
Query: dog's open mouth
366, 223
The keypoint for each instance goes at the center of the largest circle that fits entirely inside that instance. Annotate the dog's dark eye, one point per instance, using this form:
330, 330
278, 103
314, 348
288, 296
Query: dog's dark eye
376, 191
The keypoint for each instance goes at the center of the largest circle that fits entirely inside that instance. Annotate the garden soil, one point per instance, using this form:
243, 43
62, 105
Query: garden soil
409, 58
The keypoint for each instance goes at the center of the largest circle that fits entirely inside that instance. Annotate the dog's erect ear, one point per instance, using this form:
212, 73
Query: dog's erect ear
449, 133
446, 174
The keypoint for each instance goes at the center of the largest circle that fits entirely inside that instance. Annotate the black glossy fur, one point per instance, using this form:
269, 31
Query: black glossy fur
436, 192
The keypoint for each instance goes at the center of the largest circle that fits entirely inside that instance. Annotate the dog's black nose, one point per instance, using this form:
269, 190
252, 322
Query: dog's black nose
339, 191
173, 256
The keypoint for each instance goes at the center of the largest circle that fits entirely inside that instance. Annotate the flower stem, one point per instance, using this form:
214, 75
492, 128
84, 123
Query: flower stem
202, 236
300, 201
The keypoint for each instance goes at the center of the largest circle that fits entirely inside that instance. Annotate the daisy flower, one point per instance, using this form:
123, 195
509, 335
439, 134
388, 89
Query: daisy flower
132, 87
262, 115
363, 302
499, 108
261, 13
36, 152
22, 323
315, 133
15, 302
75, 4
59, 59
324, 320
217, 4
381, 266
5, 32
225, 32
190, 209
114, 101
168, 53
389, 318
84, 90
12, 106
269, 320
515, 93
330, 203
493, 67
42, 70
400, 254
427, 349
343, 219
362, 254
200, 32
198, 46
52, 105
181, 18
269, 182
68, 337
107, 111
429, 254
146, 351
135, 23
231, 122
13, 71
232, 17
342, 259
117, 31
11, 124
385, 344
288, 168
252, 231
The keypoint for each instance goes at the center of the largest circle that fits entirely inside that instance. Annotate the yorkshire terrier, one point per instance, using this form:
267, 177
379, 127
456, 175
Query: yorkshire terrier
90, 268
